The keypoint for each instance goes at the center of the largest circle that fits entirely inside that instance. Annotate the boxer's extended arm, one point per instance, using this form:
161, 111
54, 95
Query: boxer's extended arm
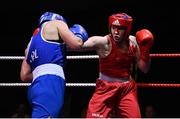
79, 31
67, 36
95, 42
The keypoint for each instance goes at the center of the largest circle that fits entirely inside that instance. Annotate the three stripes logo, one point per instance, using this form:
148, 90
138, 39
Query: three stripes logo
116, 22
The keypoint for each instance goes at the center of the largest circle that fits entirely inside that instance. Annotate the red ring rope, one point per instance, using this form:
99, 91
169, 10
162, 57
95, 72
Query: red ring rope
165, 55
158, 85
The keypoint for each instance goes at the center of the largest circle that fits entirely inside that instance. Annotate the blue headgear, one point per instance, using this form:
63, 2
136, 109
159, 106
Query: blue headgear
48, 16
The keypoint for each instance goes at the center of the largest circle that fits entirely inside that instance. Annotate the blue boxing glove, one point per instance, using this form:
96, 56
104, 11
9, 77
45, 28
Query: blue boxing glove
79, 31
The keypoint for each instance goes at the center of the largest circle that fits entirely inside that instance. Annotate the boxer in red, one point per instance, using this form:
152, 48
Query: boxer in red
118, 52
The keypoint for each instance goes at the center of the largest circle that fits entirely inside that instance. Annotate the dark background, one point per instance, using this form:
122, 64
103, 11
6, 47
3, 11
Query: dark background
19, 19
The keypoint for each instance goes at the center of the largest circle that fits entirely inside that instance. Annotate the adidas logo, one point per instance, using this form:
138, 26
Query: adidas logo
116, 22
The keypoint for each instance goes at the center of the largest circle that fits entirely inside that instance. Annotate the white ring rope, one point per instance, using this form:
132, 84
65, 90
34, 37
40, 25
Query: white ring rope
83, 57
11, 57
68, 57
86, 56
93, 85
67, 84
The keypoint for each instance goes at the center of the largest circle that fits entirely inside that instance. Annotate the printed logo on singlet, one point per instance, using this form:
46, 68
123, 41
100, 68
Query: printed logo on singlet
132, 48
34, 55
116, 22
97, 115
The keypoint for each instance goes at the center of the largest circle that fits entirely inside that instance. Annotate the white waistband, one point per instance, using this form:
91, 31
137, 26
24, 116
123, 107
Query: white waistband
48, 69
108, 78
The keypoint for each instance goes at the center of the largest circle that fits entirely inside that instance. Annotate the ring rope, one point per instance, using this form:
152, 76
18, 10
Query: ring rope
170, 85
90, 84
68, 57
165, 55
158, 85
86, 56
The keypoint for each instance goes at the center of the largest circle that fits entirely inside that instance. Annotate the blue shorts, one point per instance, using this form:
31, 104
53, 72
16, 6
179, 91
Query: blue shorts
46, 96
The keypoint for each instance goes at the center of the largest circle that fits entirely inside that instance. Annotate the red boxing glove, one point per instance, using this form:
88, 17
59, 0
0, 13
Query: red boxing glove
145, 40
36, 31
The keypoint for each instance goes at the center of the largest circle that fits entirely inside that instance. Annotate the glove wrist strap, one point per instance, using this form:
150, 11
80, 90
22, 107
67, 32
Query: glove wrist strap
145, 56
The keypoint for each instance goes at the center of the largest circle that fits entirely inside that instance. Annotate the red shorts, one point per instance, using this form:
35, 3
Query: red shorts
117, 98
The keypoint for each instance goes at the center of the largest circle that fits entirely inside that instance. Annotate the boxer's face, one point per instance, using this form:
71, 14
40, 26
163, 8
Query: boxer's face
118, 33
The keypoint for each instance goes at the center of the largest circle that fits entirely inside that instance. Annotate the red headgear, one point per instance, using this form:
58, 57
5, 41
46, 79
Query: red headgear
122, 20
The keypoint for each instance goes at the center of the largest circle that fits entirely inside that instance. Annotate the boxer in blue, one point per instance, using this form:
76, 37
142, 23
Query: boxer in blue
44, 61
